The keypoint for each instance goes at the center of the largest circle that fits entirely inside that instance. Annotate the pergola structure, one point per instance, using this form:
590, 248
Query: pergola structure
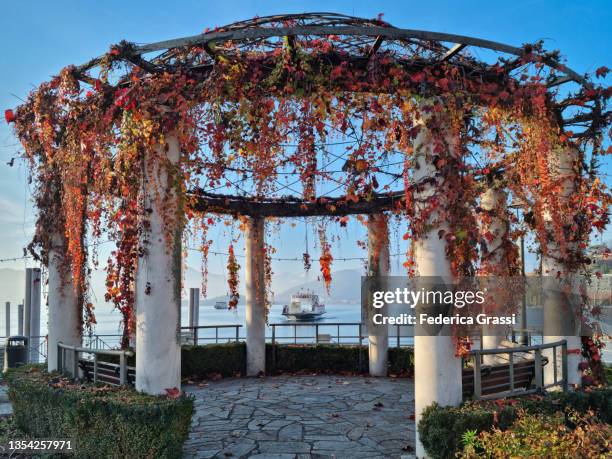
311, 115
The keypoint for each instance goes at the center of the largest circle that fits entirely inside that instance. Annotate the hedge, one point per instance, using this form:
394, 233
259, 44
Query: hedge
104, 422
230, 359
441, 428
224, 359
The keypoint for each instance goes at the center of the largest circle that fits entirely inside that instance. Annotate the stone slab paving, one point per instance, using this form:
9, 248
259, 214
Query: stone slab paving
299, 417
5, 404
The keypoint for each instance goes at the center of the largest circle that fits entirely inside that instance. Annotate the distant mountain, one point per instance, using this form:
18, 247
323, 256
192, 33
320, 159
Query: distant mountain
345, 288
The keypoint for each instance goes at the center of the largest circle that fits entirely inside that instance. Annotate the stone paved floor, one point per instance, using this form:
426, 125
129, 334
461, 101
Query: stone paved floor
302, 417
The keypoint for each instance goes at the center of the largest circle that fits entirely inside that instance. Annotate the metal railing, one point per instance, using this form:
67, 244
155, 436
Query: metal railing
193, 333
340, 333
539, 385
62, 349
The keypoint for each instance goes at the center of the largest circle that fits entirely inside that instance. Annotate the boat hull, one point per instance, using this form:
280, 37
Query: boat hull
303, 315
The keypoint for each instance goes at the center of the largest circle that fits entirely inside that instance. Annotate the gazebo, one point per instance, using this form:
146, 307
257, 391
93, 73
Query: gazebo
309, 115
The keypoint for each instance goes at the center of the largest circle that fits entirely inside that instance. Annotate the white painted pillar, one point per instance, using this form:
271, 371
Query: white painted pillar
255, 297
493, 202
64, 314
194, 312
378, 268
158, 275
437, 370
556, 315
7, 318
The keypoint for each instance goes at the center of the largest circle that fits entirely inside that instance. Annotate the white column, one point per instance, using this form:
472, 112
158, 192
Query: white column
64, 314
7, 316
378, 267
437, 370
255, 297
158, 275
493, 202
557, 316
194, 312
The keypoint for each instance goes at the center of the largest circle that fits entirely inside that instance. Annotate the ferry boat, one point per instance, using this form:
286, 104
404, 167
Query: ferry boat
221, 305
304, 306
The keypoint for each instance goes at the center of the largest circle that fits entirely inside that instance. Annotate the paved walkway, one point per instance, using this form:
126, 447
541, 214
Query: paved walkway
5, 405
302, 417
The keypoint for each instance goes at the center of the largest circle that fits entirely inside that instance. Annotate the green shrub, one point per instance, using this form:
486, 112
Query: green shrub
441, 428
229, 359
203, 361
322, 358
542, 436
104, 422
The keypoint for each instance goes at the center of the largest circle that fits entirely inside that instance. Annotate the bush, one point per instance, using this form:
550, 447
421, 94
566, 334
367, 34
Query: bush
104, 422
542, 436
203, 361
441, 428
230, 359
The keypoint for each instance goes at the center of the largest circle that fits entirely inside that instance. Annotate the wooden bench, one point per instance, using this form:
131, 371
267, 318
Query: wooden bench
107, 372
495, 379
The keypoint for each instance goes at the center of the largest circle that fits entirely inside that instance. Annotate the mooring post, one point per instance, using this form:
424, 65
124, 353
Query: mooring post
255, 297
158, 275
20, 319
35, 296
194, 312
378, 270
7, 318
26, 308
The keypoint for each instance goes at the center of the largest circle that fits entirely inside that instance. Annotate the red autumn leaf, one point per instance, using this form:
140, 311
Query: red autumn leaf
173, 393
601, 72
9, 116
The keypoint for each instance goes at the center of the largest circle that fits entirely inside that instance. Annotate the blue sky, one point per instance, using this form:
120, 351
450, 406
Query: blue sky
38, 38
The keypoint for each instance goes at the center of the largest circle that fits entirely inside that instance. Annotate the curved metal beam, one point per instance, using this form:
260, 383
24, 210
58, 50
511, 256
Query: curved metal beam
322, 30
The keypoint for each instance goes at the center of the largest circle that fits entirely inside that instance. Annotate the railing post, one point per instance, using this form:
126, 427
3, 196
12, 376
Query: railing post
216, 335
59, 359
554, 355
237, 333
360, 353
511, 355
95, 377
122, 369
538, 368
75, 363
274, 347
398, 336
317, 334
477, 373
564, 364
